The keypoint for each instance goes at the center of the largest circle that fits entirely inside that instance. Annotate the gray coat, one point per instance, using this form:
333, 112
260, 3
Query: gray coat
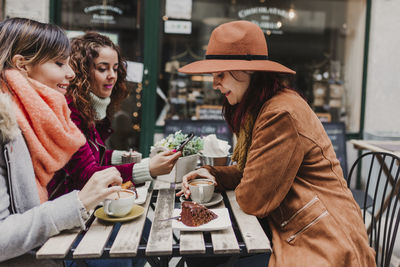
26, 224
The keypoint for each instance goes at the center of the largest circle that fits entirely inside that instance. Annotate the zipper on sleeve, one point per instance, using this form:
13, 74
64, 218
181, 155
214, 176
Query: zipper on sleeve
7, 160
94, 144
102, 154
325, 213
97, 146
312, 201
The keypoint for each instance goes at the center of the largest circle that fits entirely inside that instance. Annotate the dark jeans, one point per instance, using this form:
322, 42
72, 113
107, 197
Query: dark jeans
256, 260
137, 262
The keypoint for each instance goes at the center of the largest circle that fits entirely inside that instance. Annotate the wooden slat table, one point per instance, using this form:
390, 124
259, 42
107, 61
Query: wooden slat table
94, 240
252, 233
126, 243
244, 237
377, 146
58, 246
160, 239
391, 147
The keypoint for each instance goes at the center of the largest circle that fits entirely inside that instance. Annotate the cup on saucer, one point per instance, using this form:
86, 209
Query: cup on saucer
201, 190
119, 205
217, 198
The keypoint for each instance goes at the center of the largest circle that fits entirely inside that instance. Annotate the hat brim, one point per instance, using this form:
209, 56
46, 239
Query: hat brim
216, 65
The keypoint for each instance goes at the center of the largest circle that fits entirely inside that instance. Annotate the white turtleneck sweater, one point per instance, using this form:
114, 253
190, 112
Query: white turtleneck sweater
100, 105
140, 171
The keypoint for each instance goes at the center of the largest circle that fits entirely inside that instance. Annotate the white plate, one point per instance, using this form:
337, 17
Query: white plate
217, 197
142, 195
222, 222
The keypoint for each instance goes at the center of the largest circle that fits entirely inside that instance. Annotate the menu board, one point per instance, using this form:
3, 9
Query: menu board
200, 128
337, 133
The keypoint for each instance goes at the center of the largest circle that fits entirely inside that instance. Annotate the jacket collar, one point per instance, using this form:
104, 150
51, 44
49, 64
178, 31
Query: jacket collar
8, 123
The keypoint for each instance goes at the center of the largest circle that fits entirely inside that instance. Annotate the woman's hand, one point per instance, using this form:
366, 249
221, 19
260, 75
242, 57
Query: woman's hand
199, 173
163, 162
97, 188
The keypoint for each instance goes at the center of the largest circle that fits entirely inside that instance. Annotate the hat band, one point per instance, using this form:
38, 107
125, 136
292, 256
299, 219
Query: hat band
237, 57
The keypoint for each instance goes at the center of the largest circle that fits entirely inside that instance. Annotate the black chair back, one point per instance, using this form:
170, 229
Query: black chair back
380, 173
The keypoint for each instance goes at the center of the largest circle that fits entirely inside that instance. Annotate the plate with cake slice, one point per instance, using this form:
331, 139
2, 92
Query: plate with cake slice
196, 217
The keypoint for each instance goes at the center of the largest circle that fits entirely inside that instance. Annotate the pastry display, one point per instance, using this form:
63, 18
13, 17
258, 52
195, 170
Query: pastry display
194, 214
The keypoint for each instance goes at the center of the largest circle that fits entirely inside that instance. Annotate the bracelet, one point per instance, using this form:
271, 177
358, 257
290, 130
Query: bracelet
84, 213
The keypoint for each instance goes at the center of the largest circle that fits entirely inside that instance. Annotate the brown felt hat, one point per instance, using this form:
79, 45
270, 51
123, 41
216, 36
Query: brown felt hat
236, 45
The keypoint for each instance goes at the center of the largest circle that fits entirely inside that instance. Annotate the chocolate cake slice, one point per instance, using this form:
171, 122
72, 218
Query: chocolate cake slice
194, 214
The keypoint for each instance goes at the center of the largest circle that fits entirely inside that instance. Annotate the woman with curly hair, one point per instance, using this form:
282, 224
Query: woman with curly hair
93, 96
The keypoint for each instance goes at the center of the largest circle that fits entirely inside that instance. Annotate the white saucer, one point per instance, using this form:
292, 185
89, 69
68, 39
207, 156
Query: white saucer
217, 197
223, 221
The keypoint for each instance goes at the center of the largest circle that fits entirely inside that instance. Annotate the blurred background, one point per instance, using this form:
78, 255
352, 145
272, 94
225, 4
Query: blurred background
344, 52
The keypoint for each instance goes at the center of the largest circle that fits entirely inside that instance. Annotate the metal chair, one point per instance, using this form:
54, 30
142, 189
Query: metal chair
382, 217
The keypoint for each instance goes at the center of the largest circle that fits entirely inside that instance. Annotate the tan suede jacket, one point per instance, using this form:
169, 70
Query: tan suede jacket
293, 180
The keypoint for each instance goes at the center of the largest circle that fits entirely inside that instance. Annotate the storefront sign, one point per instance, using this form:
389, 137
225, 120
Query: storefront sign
32, 9
103, 13
270, 19
178, 26
263, 10
178, 9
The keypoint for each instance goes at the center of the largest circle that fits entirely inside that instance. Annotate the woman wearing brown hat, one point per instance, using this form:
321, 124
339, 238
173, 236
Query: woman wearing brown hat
287, 173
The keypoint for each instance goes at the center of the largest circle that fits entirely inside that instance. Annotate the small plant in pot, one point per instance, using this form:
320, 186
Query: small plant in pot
173, 141
190, 152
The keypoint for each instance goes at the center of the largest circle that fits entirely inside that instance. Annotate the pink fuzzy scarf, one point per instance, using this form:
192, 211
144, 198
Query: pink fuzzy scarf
44, 119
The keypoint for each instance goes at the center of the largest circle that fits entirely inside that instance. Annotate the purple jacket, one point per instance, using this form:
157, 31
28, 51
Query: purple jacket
90, 158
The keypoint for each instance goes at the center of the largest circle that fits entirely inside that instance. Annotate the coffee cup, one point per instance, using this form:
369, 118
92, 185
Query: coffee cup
119, 204
201, 190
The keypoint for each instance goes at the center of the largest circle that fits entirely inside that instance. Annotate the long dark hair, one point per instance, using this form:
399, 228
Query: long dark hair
263, 86
84, 50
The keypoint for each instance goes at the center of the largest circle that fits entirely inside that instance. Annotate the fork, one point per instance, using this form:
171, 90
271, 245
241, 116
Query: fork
172, 218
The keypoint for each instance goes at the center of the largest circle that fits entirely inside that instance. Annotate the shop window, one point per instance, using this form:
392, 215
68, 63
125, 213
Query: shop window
322, 40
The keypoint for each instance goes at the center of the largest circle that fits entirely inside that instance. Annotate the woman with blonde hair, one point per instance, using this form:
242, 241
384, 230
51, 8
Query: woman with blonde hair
37, 138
